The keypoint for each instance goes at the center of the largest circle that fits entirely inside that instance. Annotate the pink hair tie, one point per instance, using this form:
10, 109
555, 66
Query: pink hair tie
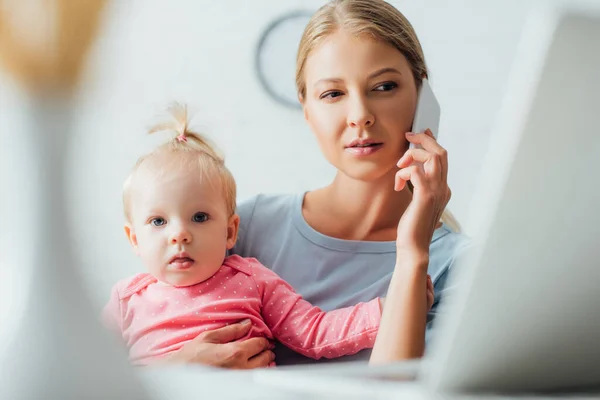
182, 138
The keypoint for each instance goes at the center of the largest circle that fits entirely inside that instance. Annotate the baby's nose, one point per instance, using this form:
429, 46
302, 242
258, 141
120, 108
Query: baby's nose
181, 236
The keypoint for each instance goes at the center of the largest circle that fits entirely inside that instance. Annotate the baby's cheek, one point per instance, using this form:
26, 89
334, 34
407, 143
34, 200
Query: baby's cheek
152, 260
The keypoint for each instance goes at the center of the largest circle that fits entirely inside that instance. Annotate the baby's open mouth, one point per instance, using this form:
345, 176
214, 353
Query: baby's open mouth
181, 262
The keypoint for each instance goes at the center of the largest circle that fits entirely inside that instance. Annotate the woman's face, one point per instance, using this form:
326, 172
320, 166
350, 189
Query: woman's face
360, 101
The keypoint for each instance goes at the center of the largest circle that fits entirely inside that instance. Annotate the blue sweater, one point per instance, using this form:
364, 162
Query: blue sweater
328, 272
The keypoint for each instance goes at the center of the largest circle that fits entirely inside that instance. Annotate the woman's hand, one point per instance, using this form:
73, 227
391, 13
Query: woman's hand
401, 333
218, 349
427, 169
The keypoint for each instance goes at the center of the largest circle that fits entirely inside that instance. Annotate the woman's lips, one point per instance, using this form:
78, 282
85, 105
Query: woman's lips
364, 150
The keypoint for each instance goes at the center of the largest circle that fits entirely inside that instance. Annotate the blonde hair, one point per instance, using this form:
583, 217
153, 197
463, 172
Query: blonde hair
184, 141
375, 19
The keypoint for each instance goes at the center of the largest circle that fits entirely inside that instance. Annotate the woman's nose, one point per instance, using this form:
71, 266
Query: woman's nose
359, 114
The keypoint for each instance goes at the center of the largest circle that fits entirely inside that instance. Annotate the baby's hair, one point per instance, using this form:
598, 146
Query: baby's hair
185, 142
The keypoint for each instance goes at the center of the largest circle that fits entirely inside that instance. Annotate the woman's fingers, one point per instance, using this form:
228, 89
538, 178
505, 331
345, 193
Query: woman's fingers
413, 173
252, 353
225, 334
262, 360
432, 163
426, 141
430, 293
429, 145
424, 178
253, 347
413, 155
430, 299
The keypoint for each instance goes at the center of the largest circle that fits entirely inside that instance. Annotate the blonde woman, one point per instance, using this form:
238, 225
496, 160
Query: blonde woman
359, 68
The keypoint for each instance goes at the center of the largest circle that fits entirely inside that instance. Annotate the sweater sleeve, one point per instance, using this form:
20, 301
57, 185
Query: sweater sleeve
310, 331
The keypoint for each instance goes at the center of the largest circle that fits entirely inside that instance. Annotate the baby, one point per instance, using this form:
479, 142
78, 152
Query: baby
180, 220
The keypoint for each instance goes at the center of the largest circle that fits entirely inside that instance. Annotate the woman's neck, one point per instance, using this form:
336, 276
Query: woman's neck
357, 210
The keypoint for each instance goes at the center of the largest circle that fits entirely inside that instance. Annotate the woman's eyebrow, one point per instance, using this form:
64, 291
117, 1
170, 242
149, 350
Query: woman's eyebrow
331, 80
384, 71
373, 75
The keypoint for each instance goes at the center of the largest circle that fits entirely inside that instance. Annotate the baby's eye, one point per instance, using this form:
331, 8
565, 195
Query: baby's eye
200, 217
158, 221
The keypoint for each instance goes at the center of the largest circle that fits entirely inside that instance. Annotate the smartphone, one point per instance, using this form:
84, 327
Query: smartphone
428, 112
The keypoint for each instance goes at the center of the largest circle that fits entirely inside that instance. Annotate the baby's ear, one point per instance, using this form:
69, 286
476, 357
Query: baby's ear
132, 237
232, 230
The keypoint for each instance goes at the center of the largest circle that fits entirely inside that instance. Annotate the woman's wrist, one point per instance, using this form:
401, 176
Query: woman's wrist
404, 279
412, 261
402, 330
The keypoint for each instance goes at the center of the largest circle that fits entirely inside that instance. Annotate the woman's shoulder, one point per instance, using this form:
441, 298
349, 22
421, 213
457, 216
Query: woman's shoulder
264, 216
446, 236
447, 245
271, 205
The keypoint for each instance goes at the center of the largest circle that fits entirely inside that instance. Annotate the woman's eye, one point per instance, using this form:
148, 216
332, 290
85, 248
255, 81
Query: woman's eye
331, 95
200, 217
158, 221
386, 87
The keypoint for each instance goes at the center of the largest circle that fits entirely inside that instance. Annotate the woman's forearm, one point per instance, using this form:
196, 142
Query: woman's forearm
402, 329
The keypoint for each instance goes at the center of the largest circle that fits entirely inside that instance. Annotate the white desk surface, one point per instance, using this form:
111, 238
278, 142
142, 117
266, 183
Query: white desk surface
195, 383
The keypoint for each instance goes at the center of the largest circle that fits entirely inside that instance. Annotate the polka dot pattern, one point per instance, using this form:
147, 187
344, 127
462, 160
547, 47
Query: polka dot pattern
156, 319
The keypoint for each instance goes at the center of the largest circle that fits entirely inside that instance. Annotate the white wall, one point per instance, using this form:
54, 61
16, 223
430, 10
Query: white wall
201, 52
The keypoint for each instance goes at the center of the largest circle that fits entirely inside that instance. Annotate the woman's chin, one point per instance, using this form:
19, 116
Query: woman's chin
370, 173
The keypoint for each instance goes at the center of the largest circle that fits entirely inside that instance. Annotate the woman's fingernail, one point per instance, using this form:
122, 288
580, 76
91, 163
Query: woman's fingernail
410, 133
246, 322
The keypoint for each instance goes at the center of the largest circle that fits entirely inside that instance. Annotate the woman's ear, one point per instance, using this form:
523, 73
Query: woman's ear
232, 230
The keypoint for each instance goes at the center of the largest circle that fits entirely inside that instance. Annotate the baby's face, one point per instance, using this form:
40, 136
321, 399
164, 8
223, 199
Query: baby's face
180, 226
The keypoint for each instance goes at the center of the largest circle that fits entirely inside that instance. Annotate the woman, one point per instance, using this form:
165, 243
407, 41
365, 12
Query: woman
359, 68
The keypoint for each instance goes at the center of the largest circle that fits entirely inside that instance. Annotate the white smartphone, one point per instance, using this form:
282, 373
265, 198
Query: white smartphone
428, 112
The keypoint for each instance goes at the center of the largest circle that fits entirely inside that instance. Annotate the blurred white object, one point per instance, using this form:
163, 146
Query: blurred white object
51, 342
56, 347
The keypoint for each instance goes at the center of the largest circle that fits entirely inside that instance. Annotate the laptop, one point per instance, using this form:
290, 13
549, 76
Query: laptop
525, 315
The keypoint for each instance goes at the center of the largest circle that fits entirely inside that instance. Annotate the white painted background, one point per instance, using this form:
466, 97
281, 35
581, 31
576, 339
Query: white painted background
201, 52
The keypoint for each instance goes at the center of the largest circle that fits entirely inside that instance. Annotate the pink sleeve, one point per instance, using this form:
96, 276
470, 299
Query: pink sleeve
111, 314
310, 331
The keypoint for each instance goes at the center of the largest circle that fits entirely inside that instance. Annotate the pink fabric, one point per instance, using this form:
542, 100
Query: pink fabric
155, 319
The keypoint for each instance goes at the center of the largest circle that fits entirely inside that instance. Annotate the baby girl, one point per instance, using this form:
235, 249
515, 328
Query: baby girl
180, 203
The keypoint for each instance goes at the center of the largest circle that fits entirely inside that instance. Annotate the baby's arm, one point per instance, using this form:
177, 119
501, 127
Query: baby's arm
310, 331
